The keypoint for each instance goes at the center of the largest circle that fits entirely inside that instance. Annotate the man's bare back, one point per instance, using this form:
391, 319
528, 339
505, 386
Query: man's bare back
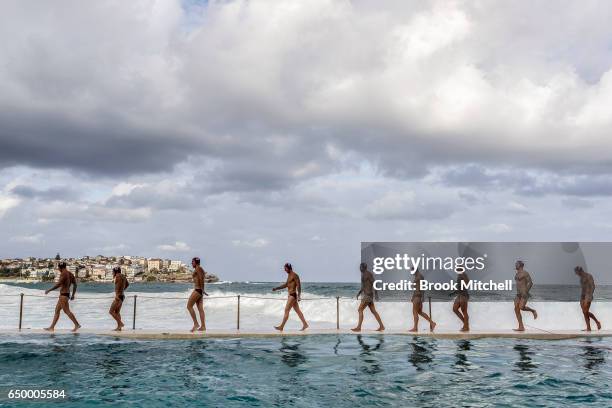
121, 284
523, 284
198, 278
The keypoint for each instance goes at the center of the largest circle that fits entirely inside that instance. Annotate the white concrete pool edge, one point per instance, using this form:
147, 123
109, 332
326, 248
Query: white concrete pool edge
535, 334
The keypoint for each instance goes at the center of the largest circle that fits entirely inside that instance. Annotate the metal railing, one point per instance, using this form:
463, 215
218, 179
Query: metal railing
237, 297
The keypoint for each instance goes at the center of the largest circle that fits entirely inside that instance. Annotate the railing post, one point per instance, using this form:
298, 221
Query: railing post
238, 315
337, 312
430, 316
20, 311
134, 315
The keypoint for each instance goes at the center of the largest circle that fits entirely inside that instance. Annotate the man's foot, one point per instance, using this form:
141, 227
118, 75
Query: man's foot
50, 329
465, 329
117, 329
413, 330
202, 328
588, 329
304, 327
279, 328
520, 329
535, 315
77, 327
598, 324
356, 329
121, 324
194, 328
432, 326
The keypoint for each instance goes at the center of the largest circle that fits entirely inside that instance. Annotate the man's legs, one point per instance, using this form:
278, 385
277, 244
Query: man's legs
360, 310
56, 316
113, 312
466, 317
586, 306
381, 326
528, 309
288, 307
296, 307
118, 313
66, 309
517, 312
432, 324
200, 304
192, 300
456, 307
416, 304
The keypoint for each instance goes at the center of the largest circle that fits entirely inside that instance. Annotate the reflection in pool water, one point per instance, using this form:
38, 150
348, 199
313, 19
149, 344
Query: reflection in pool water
324, 370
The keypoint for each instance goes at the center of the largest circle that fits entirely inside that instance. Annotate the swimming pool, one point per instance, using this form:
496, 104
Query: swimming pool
328, 370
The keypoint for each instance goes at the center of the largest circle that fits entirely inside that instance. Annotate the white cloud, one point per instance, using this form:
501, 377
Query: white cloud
178, 246
406, 205
498, 228
123, 189
6, 203
255, 243
133, 106
28, 239
91, 212
113, 248
517, 208
413, 76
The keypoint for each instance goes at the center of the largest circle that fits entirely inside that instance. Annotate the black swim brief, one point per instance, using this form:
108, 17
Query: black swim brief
199, 291
293, 294
520, 297
121, 297
65, 294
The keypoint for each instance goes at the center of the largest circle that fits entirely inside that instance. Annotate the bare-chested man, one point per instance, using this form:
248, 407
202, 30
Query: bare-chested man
66, 279
417, 304
368, 294
295, 292
523, 286
586, 296
121, 284
460, 306
197, 296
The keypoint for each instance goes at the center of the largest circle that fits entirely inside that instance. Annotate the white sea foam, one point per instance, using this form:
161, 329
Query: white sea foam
155, 312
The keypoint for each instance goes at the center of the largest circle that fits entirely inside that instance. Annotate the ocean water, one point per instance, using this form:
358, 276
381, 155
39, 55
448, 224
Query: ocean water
313, 371
162, 306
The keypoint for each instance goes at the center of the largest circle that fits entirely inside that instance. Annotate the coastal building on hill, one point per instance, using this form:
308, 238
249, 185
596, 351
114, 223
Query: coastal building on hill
99, 268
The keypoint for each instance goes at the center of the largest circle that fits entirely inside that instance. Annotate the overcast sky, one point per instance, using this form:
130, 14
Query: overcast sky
252, 133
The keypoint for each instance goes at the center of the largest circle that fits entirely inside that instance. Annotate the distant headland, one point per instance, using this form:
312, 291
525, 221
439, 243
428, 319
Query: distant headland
99, 269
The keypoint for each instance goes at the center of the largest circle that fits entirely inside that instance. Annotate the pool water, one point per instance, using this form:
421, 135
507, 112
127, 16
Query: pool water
309, 371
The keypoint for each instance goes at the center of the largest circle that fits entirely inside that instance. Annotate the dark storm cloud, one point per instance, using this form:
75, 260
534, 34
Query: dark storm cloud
155, 87
158, 197
584, 185
577, 203
485, 178
527, 182
105, 145
53, 193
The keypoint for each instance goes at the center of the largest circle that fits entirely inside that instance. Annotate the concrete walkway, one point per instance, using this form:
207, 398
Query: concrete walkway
438, 334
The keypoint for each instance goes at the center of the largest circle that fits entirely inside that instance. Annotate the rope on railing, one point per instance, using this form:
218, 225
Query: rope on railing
184, 298
284, 299
76, 297
146, 298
